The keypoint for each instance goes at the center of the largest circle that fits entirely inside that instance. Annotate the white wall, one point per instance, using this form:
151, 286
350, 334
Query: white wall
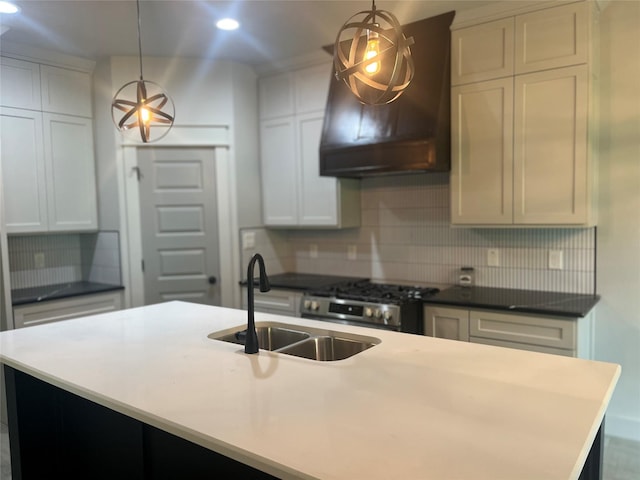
617, 335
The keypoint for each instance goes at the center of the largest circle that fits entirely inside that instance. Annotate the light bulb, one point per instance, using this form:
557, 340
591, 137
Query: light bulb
144, 115
372, 50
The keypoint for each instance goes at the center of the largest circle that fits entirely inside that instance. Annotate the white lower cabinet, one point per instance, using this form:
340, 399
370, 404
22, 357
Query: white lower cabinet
65, 309
276, 301
540, 333
450, 323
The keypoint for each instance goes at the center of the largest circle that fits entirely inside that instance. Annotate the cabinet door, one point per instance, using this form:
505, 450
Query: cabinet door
443, 322
279, 172
23, 171
70, 167
552, 38
65, 91
482, 52
276, 96
19, 84
318, 195
312, 88
551, 174
482, 149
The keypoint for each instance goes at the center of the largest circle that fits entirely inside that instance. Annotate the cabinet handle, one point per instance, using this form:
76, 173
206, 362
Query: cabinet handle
213, 280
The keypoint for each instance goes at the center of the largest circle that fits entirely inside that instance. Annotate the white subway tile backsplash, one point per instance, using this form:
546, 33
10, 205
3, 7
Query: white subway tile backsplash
405, 236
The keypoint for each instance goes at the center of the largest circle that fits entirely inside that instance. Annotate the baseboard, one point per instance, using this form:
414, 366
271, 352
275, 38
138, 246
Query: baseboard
623, 427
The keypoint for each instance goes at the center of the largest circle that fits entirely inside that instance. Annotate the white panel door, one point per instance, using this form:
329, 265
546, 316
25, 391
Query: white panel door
551, 174
24, 182
179, 225
318, 195
71, 178
279, 172
482, 153
19, 84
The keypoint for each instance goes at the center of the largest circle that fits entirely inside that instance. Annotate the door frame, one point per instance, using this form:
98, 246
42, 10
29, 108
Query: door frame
214, 137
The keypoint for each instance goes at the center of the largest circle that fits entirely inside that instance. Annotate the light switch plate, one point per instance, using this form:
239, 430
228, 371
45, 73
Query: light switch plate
352, 252
313, 250
493, 257
248, 240
38, 259
556, 260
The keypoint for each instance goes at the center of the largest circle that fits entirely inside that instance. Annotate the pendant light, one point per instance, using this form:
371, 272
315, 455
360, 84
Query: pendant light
145, 104
373, 57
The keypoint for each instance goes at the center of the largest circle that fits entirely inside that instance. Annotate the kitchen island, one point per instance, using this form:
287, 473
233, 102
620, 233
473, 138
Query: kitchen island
410, 407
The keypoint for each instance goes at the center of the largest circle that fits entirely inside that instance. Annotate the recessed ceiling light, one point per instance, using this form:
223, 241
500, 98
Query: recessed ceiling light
227, 24
8, 7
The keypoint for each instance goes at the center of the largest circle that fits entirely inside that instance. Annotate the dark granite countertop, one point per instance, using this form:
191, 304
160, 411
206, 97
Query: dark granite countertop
571, 305
302, 281
23, 296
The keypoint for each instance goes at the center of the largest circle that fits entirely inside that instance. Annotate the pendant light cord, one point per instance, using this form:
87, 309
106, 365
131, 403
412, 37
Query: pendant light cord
139, 38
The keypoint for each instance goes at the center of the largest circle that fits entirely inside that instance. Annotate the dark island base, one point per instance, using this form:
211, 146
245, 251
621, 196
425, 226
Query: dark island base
55, 434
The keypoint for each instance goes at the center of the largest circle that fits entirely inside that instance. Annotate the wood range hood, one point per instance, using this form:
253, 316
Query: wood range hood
411, 134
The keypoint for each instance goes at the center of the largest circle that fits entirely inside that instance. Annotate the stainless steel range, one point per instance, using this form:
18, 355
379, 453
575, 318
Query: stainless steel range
368, 304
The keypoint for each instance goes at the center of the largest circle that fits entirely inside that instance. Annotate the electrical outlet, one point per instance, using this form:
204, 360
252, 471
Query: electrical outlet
313, 250
556, 260
493, 257
38, 259
248, 240
352, 252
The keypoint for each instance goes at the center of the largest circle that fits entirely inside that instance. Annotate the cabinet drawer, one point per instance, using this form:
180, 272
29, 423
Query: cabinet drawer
282, 302
523, 346
532, 330
65, 309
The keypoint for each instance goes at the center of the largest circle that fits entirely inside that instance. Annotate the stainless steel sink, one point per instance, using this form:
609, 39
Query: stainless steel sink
270, 337
305, 342
327, 348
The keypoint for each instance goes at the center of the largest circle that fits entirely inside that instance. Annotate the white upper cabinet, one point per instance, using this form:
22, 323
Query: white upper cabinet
65, 91
552, 38
71, 186
19, 84
293, 192
482, 52
24, 179
47, 155
523, 145
551, 171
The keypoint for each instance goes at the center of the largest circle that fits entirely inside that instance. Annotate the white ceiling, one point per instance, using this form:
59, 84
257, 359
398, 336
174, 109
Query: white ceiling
270, 29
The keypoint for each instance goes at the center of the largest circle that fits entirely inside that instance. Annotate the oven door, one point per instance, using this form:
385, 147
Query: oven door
350, 322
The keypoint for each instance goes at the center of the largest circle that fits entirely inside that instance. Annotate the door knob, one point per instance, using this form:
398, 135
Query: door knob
212, 280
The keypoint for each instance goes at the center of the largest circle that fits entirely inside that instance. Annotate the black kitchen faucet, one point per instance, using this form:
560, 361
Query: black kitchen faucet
251, 339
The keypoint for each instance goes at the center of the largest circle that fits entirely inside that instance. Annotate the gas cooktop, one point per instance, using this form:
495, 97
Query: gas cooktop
367, 291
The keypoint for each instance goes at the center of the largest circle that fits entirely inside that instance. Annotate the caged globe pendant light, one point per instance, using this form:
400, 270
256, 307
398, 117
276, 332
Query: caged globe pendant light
372, 56
152, 106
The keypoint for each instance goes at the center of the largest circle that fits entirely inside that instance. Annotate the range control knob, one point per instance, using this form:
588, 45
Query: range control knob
307, 304
387, 316
377, 313
368, 312
315, 306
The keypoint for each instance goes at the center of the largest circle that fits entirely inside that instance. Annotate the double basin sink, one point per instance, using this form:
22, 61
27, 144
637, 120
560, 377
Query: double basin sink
312, 343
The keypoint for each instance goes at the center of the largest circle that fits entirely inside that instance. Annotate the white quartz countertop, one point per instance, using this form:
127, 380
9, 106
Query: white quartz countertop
411, 407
